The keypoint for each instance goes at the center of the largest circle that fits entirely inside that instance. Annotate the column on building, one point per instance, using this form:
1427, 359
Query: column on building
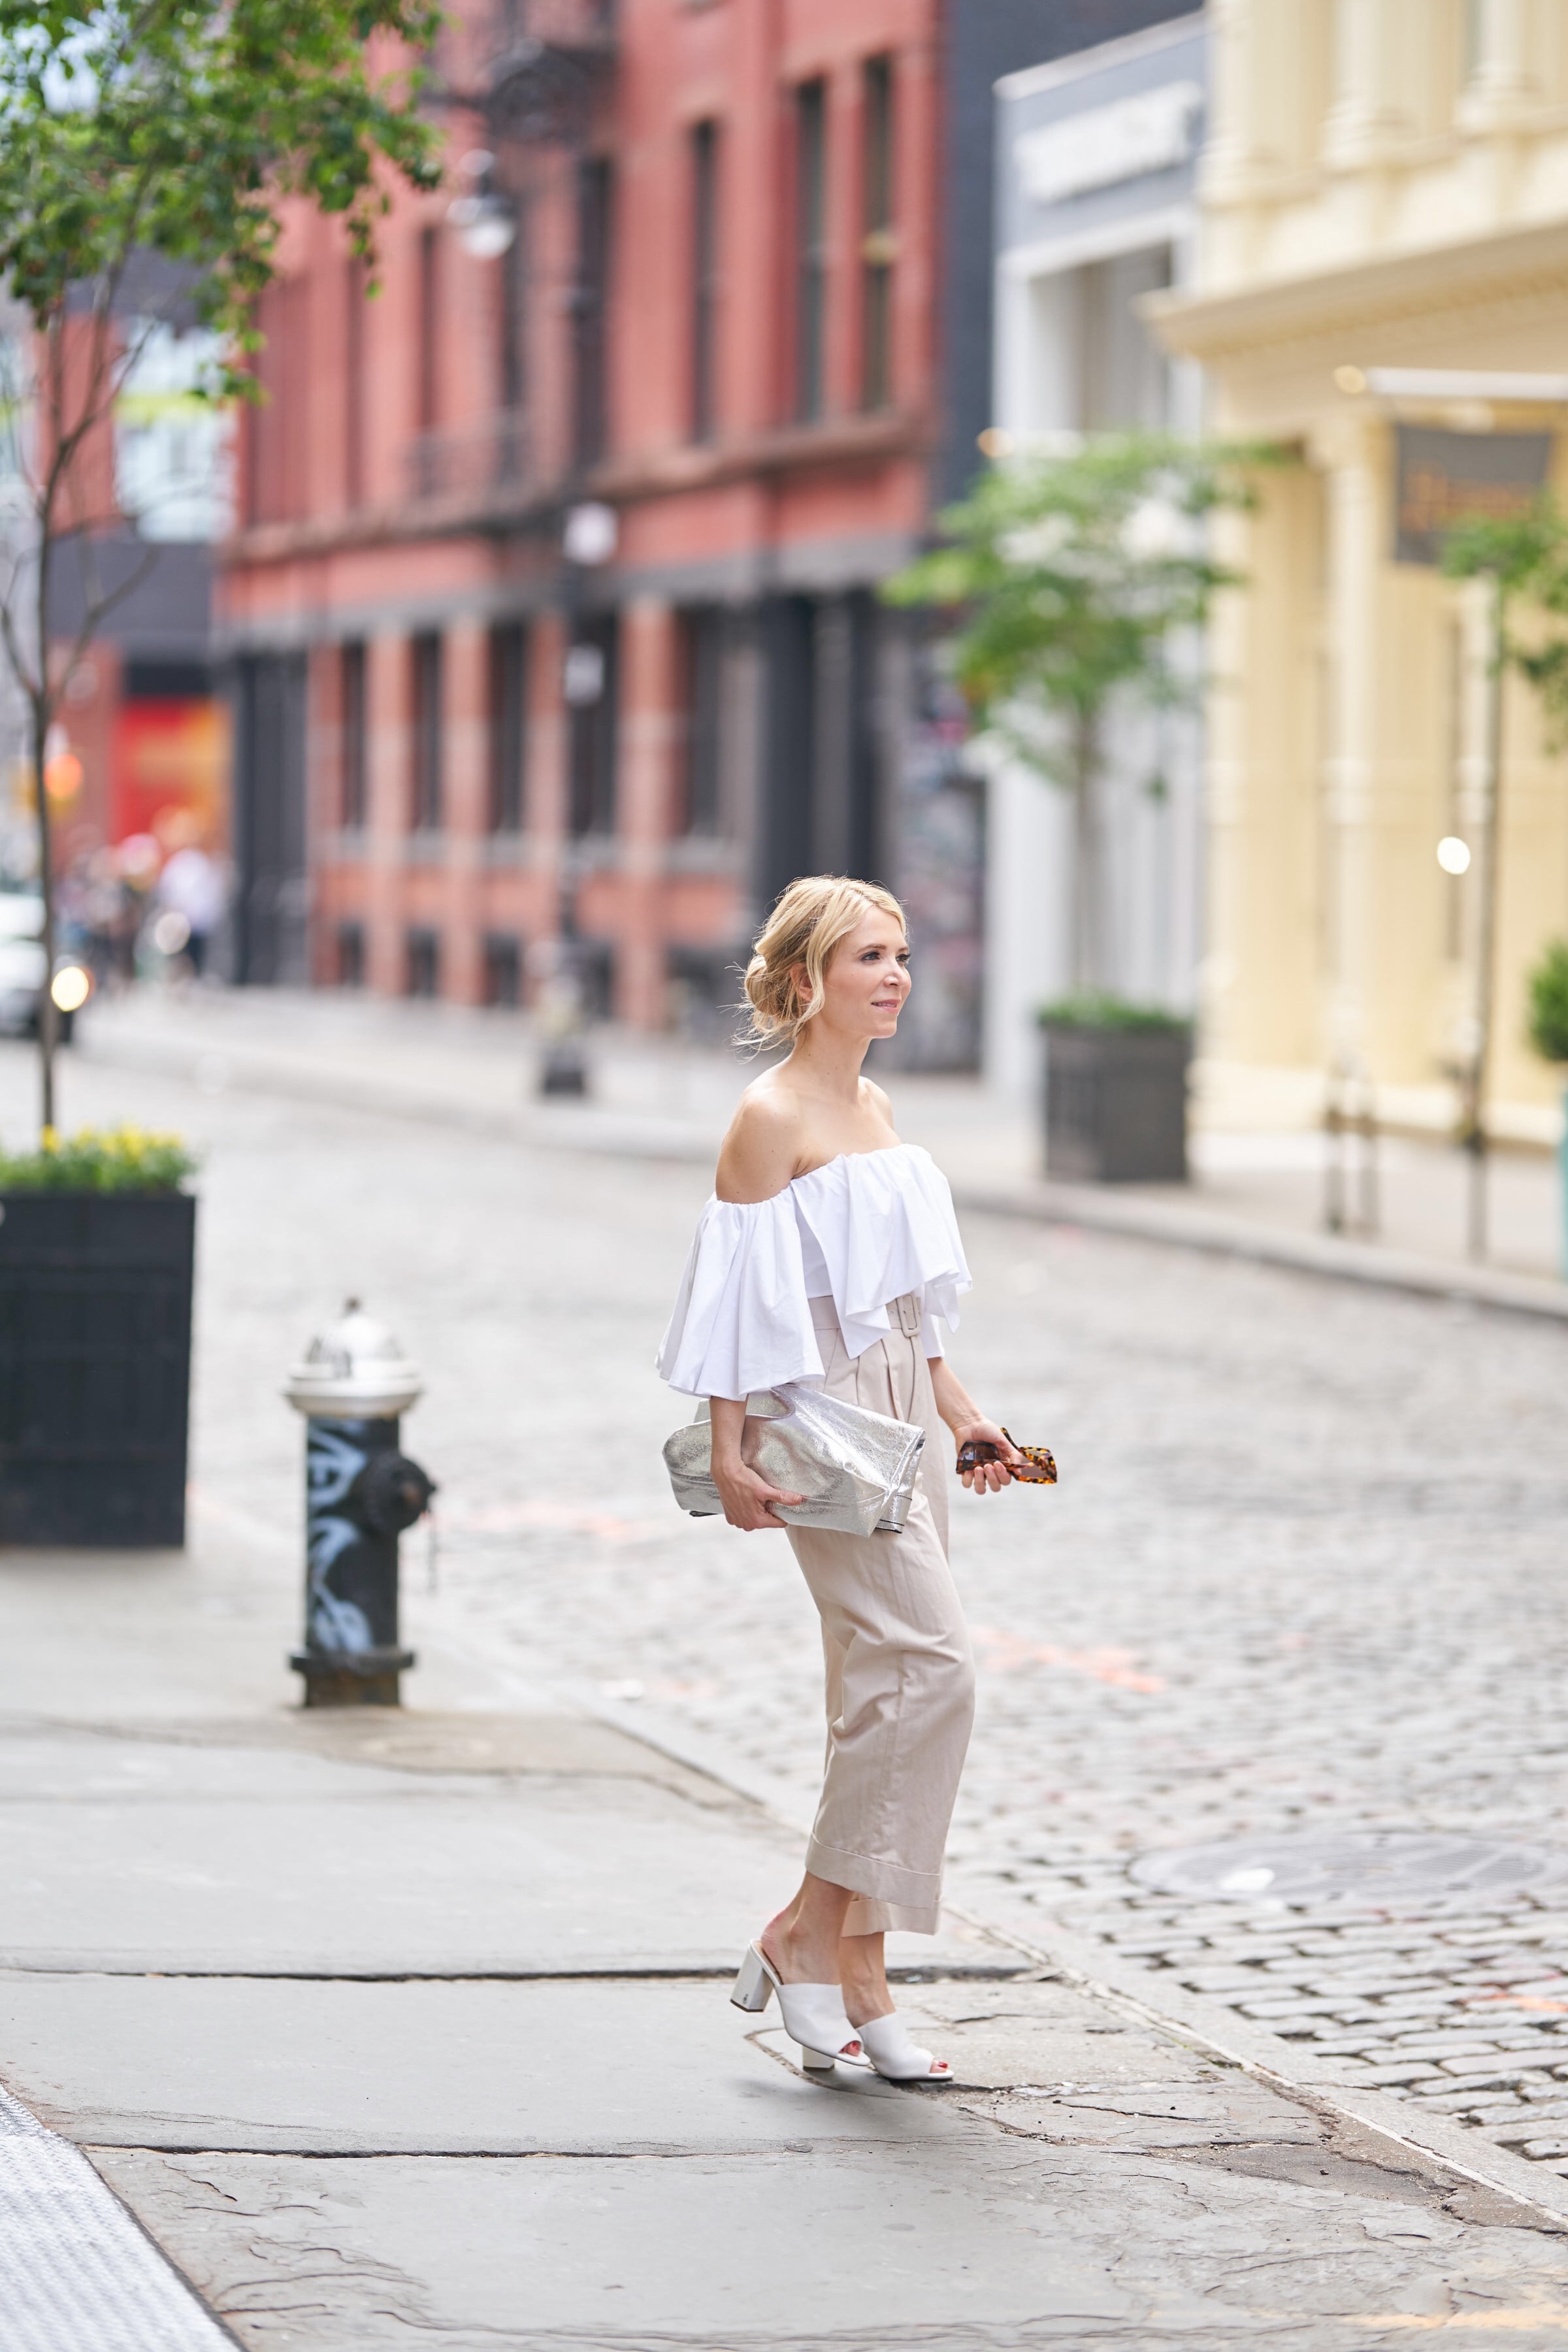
547, 815
1372, 86
323, 811
650, 749
1261, 975
1354, 491
465, 807
1503, 76
387, 732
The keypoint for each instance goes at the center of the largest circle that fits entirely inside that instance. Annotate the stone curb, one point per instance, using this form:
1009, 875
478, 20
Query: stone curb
570, 1128
1409, 2132
1322, 1254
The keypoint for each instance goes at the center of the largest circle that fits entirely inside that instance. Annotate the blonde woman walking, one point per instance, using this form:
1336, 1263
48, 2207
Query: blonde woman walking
829, 1250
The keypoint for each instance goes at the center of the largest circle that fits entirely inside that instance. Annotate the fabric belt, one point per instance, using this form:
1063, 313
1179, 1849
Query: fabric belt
906, 1314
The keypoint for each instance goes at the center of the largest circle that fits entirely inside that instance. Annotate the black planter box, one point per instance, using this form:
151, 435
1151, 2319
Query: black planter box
1116, 1104
95, 1366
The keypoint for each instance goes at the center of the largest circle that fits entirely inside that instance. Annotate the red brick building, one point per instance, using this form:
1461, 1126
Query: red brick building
717, 316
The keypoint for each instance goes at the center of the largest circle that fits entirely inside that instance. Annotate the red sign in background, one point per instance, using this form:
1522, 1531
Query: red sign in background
171, 757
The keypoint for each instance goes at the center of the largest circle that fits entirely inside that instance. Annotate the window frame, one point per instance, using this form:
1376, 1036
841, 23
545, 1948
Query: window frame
426, 730
879, 230
811, 249
353, 715
707, 151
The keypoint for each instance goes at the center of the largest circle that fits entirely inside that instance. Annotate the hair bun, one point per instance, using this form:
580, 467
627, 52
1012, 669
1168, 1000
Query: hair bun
808, 922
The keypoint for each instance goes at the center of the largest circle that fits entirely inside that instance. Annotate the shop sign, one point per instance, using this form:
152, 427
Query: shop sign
1153, 131
1444, 478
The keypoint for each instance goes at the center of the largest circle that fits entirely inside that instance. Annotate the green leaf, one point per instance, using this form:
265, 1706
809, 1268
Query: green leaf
1068, 576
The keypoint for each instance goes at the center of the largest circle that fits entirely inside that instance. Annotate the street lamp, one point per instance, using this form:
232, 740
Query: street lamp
485, 219
589, 538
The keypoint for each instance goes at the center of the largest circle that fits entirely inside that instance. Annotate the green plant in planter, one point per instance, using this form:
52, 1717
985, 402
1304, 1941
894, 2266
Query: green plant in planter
99, 1160
1547, 1029
1094, 1009
1547, 1025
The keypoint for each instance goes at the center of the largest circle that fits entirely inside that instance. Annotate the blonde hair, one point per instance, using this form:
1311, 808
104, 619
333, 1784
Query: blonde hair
807, 923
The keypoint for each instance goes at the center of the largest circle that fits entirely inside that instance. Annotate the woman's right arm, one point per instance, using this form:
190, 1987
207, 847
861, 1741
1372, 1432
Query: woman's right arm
756, 1160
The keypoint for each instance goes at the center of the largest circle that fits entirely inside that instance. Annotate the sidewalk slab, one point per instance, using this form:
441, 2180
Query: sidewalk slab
581, 2068
975, 2238
205, 1860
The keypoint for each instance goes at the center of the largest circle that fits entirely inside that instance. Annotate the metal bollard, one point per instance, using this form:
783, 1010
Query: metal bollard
361, 1492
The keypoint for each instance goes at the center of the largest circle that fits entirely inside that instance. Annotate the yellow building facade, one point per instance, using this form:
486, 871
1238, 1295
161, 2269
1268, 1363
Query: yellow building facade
1386, 190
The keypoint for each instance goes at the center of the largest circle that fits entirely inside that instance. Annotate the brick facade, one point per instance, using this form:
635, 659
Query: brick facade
716, 317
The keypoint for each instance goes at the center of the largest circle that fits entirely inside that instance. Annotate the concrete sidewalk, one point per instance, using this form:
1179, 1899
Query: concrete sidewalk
1257, 1194
394, 2028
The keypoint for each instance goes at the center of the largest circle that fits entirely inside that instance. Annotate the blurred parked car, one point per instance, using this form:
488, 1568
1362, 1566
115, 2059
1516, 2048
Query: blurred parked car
22, 969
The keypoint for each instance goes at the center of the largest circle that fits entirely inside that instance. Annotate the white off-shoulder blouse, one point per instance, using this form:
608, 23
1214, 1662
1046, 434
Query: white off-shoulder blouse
866, 1228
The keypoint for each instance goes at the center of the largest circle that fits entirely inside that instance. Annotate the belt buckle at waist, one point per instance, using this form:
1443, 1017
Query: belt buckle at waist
905, 1314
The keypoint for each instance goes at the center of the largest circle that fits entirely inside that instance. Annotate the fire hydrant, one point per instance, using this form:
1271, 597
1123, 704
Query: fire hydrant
361, 1492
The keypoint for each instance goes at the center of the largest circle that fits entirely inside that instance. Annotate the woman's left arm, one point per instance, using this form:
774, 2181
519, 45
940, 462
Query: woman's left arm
965, 1420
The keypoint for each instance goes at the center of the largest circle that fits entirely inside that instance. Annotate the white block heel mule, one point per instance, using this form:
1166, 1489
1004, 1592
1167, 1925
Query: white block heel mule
813, 2013
886, 2042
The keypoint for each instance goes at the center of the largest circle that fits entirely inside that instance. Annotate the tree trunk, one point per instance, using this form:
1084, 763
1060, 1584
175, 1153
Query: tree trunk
1086, 957
1473, 1115
42, 705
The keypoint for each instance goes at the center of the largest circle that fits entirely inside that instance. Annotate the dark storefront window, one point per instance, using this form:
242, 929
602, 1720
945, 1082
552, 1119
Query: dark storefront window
589, 338
877, 247
503, 969
351, 686
701, 659
810, 252
513, 385
426, 385
704, 277
350, 955
423, 972
591, 699
278, 472
509, 725
427, 732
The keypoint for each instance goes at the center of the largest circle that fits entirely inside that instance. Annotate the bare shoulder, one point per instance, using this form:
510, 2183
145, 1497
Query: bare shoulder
761, 1148
880, 1101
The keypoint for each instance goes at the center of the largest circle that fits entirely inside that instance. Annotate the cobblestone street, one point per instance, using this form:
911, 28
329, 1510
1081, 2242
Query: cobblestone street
1303, 1574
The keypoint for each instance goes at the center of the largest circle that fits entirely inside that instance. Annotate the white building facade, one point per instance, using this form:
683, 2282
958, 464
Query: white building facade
1096, 208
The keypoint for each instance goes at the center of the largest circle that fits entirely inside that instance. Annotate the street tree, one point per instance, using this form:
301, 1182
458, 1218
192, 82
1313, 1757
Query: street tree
1069, 579
147, 149
1524, 559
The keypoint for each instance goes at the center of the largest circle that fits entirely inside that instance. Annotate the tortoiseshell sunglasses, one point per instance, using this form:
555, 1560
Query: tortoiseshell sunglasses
1040, 1466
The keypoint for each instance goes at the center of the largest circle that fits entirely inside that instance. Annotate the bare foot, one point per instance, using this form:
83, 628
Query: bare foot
865, 1982
798, 1959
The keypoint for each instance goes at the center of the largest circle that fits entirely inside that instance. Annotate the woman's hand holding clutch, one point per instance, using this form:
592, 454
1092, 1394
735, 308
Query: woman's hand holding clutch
747, 1498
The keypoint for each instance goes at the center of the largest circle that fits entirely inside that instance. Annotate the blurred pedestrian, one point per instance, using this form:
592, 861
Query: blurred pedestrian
193, 889
826, 1255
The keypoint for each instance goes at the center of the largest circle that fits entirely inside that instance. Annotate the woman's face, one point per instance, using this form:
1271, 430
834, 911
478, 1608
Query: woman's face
868, 978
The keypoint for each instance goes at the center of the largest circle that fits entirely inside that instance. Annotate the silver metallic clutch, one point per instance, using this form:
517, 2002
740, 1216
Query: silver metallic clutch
856, 1469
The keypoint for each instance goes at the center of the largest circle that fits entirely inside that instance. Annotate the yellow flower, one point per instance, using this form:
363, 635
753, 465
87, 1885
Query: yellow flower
50, 1139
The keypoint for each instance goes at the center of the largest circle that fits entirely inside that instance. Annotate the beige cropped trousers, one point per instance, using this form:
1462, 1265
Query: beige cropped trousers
901, 1678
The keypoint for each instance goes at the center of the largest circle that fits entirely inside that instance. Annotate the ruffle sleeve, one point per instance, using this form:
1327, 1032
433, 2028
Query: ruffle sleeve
883, 1225
741, 1318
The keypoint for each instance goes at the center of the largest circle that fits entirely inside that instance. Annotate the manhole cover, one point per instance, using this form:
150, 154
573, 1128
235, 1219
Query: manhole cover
1390, 1870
